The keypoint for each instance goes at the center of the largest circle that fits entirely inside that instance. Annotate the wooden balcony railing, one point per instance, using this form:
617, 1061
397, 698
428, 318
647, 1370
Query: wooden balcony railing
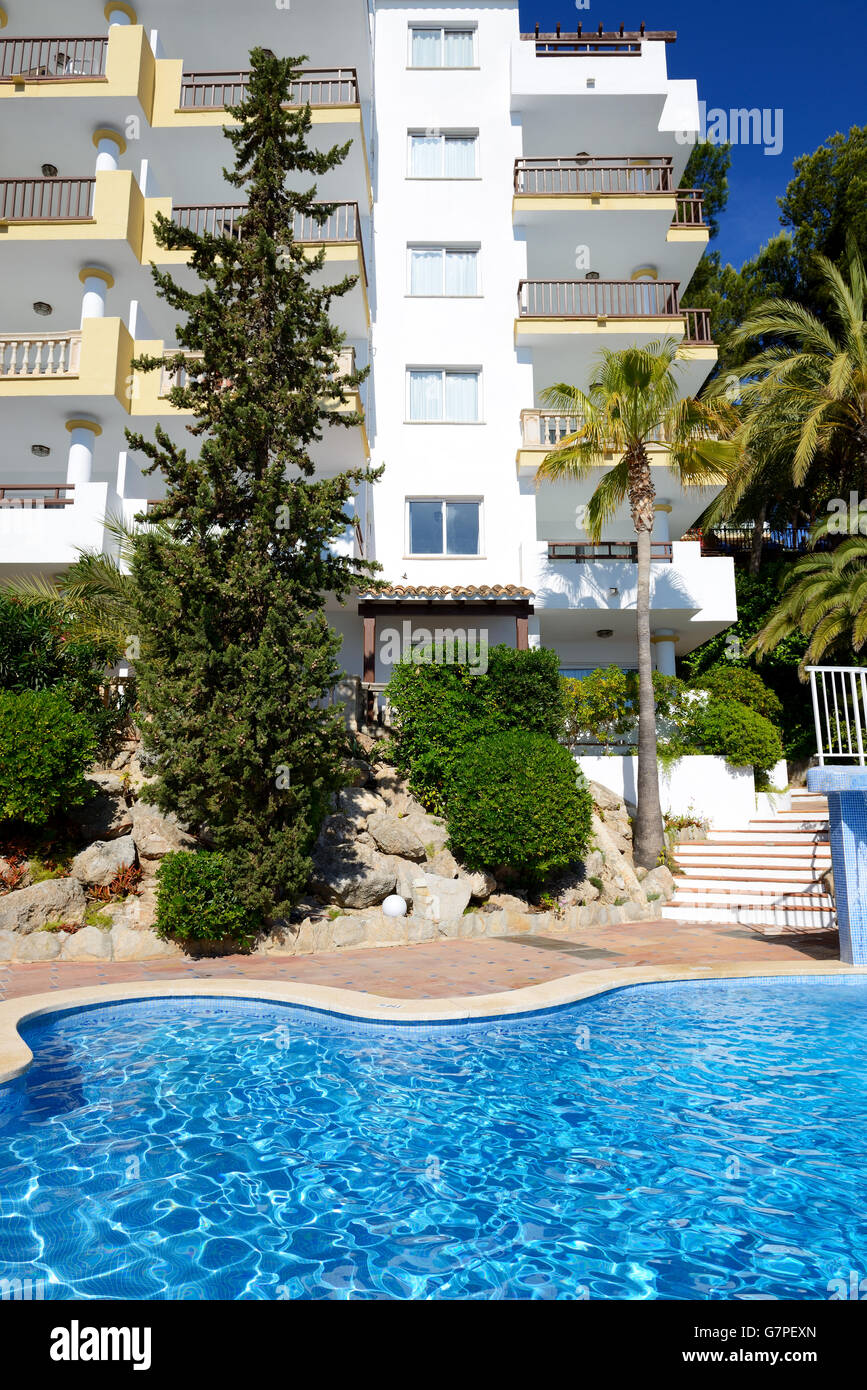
224, 219
697, 326
29, 355
585, 552
591, 299
180, 377
616, 44
211, 91
36, 495
35, 60
689, 210
46, 200
583, 174
545, 429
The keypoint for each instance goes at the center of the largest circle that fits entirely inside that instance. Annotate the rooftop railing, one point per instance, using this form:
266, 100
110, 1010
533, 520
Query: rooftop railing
47, 496
224, 219
40, 59
212, 91
46, 200
584, 174
615, 44
29, 355
585, 552
591, 299
839, 695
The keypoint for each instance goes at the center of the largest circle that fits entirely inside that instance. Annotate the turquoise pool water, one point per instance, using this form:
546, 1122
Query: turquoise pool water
676, 1142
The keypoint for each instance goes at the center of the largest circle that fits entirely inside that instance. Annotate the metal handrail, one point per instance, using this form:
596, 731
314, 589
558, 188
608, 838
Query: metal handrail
585, 552
46, 200
213, 91
53, 500
598, 299
52, 60
839, 695
586, 174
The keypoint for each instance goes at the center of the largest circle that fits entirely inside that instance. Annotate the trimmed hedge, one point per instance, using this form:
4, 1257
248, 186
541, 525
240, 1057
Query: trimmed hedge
740, 735
197, 901
517, 799
45, 748
732, 682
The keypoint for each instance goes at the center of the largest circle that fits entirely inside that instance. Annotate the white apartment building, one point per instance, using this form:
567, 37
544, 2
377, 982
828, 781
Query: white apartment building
510, 204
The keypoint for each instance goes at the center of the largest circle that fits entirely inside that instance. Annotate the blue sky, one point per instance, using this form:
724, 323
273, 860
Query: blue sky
806, 58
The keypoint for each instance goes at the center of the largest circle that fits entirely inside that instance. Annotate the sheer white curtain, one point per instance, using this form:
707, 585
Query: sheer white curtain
426, 48
462, 396
460, 156
426, 270
458, 48
426, 156
425, 395
461, 275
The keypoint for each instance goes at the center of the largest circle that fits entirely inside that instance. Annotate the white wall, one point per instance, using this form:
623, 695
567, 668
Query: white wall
706, 787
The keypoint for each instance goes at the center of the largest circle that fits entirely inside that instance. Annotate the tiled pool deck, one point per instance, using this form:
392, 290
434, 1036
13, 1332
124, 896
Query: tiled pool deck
446, 969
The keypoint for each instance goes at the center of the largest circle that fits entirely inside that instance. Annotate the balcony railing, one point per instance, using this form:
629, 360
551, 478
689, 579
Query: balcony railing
585, 552
591, 299
617, 44
36, 495
545, 429
35, 60
29, 355
697, 326
733, 539
46, 200
840, 713
212, 91
182, 375
689, 209
585, 175
224, 219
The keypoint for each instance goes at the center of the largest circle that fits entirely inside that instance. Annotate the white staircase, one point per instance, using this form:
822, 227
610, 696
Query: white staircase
767, 875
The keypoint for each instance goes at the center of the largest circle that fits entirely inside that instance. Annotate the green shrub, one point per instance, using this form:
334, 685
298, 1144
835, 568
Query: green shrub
197, 901
440, 709
45, 747
514, 799
733, 682
601, 707
740, 735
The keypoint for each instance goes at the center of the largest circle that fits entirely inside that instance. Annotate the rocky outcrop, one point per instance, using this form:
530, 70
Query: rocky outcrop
105, 817
53, 900
351, 874
102, 861
157, 834
394, 836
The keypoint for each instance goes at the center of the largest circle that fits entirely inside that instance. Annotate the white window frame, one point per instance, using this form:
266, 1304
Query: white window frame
444, 134
465, 371
443, 246
445, 499
456, 27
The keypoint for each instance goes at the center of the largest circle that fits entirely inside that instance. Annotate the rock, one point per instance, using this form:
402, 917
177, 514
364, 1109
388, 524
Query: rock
448, 898
347, 931
103, 860
7, 867
122, 759
640, 872
444, 864
40, 945
136, 775
336, 829
390, 786
617, 874
659, 881
88, 944
394, 836
104, 817
828, 881
405, 874
127, 944
603, 798
357, 803
432, 831
506, 902
109, 782
53, 900
357, 772
156, 835
481, 884
137, 912
8, 941
351, 875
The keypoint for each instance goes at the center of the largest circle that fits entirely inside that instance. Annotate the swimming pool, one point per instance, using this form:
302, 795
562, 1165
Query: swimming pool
678, 1142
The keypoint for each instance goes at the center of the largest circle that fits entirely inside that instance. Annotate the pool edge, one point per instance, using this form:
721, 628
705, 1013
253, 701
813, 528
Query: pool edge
15, 1055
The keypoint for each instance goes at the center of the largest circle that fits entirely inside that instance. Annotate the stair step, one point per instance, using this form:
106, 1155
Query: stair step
762, 916
816, 902
738, 872
765, 837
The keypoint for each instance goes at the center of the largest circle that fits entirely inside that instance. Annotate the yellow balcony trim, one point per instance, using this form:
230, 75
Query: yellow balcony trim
592, 202
682, 234
102, 367
129, 72
530, 327
118, 214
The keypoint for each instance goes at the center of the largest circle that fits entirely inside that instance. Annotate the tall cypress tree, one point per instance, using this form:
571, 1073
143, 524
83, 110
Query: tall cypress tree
236, 648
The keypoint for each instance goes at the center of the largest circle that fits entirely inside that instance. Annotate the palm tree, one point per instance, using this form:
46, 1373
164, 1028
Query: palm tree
805, 394
634, 402
823, 596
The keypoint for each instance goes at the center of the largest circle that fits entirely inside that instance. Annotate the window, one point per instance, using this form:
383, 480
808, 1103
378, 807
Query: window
443, 270
436, 154
444, 526
441, 46
440, 396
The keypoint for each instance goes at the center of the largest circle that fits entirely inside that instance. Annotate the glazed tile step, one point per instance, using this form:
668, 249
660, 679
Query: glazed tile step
764, 837
761, 915
810, 902
791, 822
751, 853
748, 881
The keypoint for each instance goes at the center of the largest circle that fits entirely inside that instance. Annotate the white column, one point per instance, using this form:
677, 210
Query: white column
661, 513
117, 15
79, 463
97, 283
665, 643
110, 145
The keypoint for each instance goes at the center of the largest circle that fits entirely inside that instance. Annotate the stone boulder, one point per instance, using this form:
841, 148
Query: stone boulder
444, 901
482, 884
53, 900
351, 874
110, 782
127, 944
105, 817
103, 860
444, 864
603, 798
357, 772
91, 943
393, 836
430, 830
617, 874
155, 834
659, 882
357, 804
40, 945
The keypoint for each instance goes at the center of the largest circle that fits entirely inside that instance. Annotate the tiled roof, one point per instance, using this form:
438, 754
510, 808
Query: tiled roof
449, 591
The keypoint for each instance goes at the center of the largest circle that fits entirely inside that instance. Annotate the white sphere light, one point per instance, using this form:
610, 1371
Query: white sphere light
394, 906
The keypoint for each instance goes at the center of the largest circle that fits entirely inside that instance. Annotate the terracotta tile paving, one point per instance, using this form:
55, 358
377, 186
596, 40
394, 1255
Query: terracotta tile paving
439, 968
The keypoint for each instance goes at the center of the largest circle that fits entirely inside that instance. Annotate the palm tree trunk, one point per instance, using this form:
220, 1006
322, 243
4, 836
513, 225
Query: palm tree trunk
648, 835
756, 540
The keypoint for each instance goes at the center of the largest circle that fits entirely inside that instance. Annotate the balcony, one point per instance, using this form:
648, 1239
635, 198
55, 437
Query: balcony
585, 552
90, 364
47, 200
598, 299
29, 355
45, 525
213, 91
36, 496
104, 208
114, 71
619, 44
53, 60
586, 176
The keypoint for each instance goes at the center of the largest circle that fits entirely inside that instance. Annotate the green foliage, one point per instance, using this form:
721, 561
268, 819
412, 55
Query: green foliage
514, 800
198, 900
707, 169
728, 729
826, 201
734, 681
233, 573
45, 747
439, 709
600, 707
